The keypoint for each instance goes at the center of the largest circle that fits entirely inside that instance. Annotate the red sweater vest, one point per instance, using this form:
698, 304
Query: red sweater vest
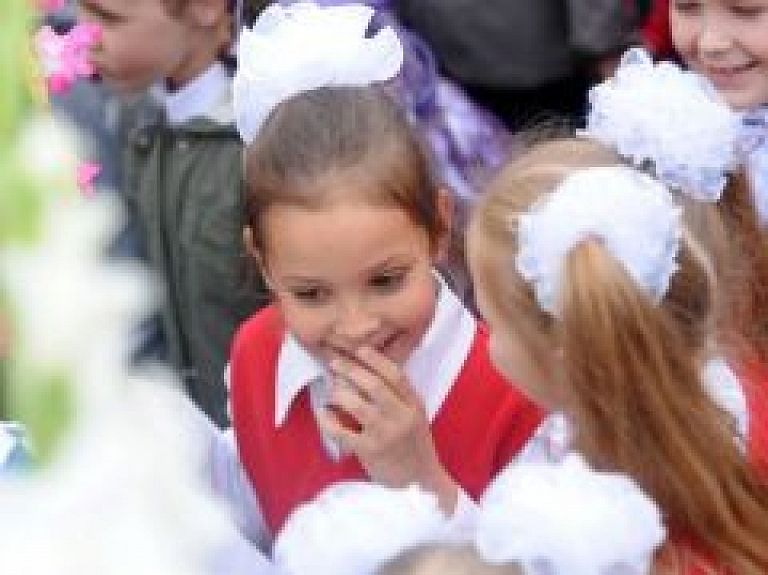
482, 424
754, 380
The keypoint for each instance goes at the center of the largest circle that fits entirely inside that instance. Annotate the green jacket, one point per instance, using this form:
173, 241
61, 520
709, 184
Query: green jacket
184, 189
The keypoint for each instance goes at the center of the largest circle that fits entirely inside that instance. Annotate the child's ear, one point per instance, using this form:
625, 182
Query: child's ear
207, 13
445, 212
255, 253
250, 245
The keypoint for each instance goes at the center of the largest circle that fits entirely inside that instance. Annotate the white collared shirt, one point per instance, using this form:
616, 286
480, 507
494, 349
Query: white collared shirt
432, 370
207, 96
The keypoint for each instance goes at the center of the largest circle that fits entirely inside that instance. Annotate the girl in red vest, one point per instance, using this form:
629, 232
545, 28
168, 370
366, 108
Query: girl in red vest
367, 366
601, 301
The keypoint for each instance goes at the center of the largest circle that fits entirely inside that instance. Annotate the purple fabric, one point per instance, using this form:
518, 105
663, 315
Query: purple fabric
468, 141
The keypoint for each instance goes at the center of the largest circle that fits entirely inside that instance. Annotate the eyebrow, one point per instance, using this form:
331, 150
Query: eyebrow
98, 10
396, 262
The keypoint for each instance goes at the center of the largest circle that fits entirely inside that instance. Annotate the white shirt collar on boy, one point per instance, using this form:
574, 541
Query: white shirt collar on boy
431, 369
208, 96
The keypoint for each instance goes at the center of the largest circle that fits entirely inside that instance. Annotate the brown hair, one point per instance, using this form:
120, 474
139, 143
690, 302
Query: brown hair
634, 391
340, 144
444, 559
749, 314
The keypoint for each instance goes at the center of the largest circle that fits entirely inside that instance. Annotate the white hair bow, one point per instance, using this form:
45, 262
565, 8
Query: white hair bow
671, 120
294, 49
630, 213
566, 518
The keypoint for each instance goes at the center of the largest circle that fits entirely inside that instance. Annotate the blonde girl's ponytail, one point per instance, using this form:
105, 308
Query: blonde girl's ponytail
639, 404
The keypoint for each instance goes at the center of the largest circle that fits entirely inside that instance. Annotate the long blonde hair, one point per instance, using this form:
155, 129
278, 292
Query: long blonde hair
634, 391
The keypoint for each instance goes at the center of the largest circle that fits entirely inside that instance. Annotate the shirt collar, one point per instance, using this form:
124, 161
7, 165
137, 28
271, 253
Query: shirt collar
202, 97
432, 368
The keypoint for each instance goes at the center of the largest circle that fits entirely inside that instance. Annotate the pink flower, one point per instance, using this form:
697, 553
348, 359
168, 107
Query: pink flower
65, 57
51, 5
86, 174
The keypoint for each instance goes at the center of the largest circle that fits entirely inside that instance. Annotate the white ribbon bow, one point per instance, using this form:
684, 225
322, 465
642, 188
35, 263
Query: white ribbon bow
630, 213
294, 49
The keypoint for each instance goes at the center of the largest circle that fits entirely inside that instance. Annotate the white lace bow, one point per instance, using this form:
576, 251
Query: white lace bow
353, 528
566, 518
630, 213
297, 48
673, 121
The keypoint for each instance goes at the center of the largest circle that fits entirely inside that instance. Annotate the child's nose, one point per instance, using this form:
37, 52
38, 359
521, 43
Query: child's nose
355, 324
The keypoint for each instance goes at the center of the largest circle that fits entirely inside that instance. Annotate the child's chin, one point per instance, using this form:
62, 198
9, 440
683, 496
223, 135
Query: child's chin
119, 87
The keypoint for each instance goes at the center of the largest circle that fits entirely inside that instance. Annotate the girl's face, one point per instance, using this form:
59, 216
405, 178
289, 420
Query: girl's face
350, 274
726, 41
510, 350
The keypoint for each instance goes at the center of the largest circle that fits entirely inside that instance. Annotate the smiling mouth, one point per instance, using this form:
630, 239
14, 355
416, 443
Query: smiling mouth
726, 73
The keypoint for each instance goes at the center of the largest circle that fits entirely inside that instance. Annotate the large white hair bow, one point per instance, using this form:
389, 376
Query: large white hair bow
297, 48
671, 120
630, 213
355, 528
567, 518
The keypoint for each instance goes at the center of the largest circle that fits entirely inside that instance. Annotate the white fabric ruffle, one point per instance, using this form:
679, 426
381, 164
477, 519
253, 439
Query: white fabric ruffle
567, 518
297, 48
630, 213
670, 120
354, 528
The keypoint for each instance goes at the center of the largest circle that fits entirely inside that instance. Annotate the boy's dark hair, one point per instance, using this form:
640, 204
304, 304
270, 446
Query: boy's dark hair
341, 144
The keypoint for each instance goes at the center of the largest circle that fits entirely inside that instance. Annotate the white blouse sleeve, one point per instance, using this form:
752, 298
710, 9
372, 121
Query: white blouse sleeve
725, 389
224, 474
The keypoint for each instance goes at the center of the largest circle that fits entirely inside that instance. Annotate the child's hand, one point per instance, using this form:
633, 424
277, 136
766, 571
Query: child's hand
392, 440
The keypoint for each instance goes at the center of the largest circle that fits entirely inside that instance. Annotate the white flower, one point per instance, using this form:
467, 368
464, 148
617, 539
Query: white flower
290, 50
354, 528
567, 518
123, 496
49, 151
672, 118
66, 297
630, 213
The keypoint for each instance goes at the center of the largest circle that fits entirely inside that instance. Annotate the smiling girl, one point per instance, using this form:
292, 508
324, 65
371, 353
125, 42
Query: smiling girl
367, 366
727, 41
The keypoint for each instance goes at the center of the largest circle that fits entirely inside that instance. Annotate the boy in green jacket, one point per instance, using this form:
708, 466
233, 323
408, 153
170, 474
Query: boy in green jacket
182, 174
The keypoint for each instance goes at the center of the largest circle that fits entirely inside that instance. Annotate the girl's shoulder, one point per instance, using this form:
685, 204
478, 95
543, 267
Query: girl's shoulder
263, 327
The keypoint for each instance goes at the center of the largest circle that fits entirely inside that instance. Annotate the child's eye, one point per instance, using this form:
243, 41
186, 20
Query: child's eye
388, 282
686, 6
747, 11
311, 295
